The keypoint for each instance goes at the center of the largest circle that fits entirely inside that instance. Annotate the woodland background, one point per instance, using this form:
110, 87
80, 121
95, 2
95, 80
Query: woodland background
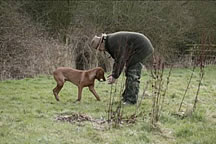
36, 36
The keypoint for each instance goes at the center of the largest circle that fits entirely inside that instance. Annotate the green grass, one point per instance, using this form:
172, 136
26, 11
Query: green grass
28, 111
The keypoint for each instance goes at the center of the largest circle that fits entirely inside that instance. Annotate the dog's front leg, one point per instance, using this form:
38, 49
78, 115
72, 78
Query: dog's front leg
91, 88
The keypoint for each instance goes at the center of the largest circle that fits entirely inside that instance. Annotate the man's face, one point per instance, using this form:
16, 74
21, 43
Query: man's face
95, 42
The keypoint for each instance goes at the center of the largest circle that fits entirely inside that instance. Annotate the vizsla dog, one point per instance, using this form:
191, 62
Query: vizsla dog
78, 77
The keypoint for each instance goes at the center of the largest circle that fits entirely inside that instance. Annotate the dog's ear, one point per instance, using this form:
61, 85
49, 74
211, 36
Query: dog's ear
103, 75
98, 73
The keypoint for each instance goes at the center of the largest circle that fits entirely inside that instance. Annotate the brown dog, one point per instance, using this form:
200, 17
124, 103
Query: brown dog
79, 78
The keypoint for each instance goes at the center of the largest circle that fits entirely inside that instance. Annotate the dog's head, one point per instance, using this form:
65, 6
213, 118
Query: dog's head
100, 74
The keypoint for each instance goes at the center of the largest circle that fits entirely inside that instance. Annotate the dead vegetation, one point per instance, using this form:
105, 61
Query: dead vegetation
27, 49
38, 36
75, 118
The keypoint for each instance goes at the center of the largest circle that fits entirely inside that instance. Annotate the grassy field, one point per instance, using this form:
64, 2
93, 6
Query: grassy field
28, 112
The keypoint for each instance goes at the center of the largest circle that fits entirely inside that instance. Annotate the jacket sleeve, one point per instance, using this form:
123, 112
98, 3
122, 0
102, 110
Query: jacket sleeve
118, 66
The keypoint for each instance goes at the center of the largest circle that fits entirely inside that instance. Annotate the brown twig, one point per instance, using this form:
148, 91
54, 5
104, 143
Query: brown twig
157, 82
198, 89
167, 84
118, 114
110, 105
202, 59
142, 97
187, 88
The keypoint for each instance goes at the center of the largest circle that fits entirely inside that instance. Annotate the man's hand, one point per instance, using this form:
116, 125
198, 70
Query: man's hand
111, 80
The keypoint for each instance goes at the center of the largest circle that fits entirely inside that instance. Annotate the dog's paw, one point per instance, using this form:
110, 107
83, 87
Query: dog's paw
57, 98
77, 101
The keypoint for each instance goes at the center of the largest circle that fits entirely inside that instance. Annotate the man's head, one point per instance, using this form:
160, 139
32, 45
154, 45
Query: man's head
96, 43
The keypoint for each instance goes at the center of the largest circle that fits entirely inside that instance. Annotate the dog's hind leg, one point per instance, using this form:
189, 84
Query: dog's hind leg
79, 93
91, 88
57, 89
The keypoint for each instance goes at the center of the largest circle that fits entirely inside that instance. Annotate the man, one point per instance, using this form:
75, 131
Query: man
127, 49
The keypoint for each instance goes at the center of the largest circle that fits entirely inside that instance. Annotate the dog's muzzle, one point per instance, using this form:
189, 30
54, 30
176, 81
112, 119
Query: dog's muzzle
101, 80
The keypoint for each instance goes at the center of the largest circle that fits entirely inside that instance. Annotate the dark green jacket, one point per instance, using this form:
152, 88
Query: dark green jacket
127, 48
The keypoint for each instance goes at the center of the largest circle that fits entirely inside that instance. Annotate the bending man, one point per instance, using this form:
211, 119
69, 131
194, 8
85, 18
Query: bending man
127, 49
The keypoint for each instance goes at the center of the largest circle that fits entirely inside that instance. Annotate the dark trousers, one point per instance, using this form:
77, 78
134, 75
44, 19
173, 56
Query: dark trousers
133, 74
